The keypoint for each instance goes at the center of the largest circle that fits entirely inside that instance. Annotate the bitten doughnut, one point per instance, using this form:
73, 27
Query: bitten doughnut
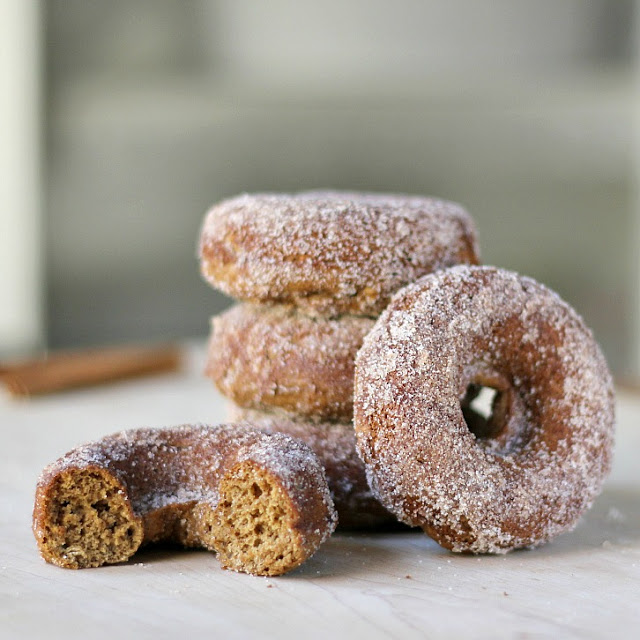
259, 501
330, 253
335, 446
276, 358
532, 467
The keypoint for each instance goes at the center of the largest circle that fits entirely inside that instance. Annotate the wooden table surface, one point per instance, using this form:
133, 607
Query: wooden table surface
586, 584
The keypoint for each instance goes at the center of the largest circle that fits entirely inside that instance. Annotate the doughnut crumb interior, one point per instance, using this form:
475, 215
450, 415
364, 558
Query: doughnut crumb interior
251, 526
89, 522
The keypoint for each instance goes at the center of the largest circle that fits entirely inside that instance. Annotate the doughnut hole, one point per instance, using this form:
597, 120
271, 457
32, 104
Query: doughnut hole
483, 409
89, 521
494, 413
251, 529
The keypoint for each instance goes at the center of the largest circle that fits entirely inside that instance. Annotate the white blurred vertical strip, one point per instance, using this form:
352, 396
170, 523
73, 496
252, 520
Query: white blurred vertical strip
21, 286
635, 214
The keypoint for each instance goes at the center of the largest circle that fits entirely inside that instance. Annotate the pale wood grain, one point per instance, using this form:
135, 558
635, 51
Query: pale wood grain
584, 585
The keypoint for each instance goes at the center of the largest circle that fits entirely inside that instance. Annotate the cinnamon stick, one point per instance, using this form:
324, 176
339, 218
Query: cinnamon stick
73, 369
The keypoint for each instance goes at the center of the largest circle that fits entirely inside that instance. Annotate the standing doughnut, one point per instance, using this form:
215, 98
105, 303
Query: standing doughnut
517, 477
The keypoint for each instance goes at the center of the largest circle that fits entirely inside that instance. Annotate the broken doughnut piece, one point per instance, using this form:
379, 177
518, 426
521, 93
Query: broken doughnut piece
260, 501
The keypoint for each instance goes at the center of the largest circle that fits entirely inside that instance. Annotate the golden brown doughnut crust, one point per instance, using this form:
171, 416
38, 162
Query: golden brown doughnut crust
335, 446
277, 358
259, 501
509, 485
331, 253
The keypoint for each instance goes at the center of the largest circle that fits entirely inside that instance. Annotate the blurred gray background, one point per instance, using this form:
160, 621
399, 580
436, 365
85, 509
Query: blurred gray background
524, 111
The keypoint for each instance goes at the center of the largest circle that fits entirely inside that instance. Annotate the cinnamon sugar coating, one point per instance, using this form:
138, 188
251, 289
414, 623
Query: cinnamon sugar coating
532, 468
330, 253
259, 501
335, 446
277, 358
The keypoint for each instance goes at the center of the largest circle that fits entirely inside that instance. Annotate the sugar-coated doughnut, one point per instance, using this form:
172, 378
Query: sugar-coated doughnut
330, 253
268, 358
335, 446
260, 501
533, 467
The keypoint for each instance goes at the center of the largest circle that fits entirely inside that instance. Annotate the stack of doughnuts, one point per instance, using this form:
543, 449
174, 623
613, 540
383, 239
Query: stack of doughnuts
311, 273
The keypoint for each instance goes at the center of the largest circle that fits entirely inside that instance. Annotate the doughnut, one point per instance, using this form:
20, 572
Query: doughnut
259, 501
267, 358
514, 478
335, 446
330, 253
